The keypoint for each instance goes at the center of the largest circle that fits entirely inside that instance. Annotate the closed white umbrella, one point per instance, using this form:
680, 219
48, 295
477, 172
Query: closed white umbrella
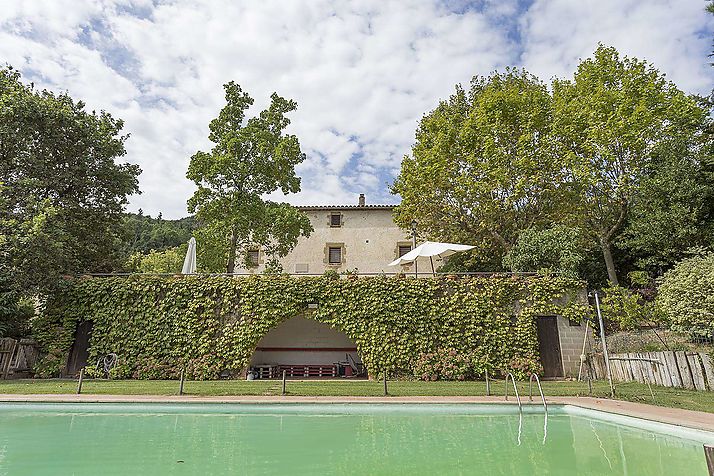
189, 263
430, 249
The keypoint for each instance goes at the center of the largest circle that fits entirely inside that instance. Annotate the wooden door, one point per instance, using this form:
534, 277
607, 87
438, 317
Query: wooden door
549, 346
79, 354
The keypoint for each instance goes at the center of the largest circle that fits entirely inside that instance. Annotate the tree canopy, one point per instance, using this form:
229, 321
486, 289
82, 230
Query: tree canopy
251, 158
62, 189
617, 151
556, 249
612, 119
485, 166
143, 233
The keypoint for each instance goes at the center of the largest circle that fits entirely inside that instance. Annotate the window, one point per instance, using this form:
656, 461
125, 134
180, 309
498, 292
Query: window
335, 255
404, 249
335, 220
253, 256
302, 268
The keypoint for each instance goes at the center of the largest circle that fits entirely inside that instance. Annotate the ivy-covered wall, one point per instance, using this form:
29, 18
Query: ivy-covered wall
158, 325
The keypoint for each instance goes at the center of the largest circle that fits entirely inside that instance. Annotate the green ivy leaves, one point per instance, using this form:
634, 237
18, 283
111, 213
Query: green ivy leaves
207, 324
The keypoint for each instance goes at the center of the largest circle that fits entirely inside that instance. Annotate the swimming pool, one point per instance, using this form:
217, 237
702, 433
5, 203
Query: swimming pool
413, 439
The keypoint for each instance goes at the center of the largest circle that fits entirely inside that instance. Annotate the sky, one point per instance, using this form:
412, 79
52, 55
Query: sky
362, 72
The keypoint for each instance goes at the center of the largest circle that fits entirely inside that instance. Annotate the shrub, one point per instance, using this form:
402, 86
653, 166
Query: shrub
686, 296
627, 309
15, 317
120, 371
153, 368
51, 363
203, 368
447, 364
523, 367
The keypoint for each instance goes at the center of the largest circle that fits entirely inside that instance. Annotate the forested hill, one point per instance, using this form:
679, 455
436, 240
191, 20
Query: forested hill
143, 233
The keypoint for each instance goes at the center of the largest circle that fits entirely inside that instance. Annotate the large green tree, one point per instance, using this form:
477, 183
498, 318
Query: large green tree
612, 119
62, 191
485, 166
673, 209
250, 158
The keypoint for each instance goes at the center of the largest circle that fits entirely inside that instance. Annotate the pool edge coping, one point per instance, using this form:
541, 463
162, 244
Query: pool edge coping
673, 416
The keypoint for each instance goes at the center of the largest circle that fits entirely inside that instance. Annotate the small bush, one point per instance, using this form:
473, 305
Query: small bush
686, 296
153, 368
15, 315
628, 309
523, 367
51, 364
203, 368
448, 364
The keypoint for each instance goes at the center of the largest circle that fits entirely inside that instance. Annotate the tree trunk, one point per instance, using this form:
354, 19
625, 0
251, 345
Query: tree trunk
231, 266
609, 262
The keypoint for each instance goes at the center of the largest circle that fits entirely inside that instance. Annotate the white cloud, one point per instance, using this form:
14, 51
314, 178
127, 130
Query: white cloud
363, 73
674, 35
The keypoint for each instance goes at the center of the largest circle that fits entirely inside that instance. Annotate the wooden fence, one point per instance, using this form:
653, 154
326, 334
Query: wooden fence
17, 358
692, 370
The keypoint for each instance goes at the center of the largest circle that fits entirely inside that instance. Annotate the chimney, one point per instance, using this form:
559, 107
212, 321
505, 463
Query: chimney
361, 199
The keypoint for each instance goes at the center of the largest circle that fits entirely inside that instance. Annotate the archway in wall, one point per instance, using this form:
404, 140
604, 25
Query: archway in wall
306, 348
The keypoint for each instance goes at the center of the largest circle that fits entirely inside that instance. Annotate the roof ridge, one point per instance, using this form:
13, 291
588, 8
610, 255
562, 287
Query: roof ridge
325, 207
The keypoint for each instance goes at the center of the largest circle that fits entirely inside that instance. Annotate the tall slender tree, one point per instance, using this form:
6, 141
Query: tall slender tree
251, 158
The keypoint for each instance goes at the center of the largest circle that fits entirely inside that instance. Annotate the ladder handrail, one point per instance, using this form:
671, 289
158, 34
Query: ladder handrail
540, 389
513, 380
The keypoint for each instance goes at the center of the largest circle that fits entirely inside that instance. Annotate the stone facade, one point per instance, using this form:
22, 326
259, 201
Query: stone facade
366, 236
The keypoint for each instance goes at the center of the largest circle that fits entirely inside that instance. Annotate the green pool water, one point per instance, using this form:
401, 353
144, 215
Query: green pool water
131, 439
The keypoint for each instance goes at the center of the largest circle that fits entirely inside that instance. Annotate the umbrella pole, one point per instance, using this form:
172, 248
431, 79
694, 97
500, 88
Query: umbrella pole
433, 273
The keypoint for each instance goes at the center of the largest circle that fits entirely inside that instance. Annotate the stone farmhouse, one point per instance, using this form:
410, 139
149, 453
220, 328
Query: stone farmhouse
346, 238
363, 238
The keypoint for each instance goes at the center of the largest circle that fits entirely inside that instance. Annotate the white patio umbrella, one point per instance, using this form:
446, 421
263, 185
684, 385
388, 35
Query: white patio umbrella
430, 249
189, 263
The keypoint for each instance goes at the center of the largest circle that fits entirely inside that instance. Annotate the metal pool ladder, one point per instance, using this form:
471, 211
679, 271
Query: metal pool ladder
530, 390
513, 380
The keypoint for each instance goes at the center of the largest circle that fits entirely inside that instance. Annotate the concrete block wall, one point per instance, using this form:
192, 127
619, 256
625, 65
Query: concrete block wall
571, 345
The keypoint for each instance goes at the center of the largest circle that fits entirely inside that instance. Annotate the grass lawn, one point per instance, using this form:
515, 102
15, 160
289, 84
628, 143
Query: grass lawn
631, 391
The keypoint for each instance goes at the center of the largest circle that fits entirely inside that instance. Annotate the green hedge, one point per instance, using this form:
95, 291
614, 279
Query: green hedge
158, 325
